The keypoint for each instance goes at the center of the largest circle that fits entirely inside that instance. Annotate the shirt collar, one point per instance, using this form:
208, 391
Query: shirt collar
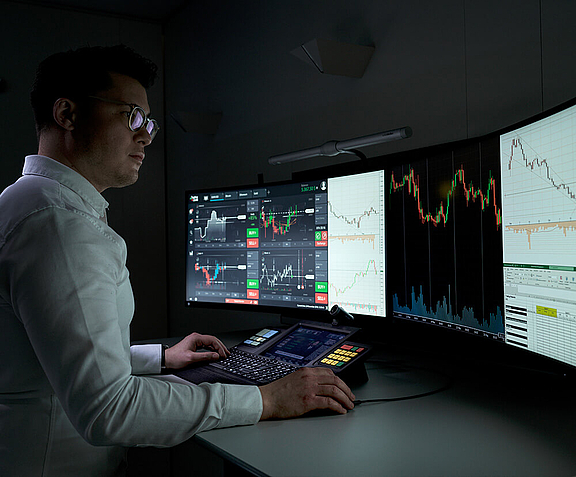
44, 166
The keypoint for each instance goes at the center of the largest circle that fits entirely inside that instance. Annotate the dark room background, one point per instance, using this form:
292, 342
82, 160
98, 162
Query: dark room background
450, 70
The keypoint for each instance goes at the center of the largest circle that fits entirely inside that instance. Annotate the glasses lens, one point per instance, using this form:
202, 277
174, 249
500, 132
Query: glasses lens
137, 119
152, 128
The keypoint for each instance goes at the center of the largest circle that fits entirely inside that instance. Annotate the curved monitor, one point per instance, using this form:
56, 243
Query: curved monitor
484, 234
445, 225
307, 244
477, 236
538, 173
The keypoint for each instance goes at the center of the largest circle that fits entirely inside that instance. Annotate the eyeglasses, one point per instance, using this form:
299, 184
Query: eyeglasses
137, 118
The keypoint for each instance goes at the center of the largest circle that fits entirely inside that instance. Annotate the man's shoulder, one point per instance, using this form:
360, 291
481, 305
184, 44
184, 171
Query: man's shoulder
27, 195
38, 200
30, 193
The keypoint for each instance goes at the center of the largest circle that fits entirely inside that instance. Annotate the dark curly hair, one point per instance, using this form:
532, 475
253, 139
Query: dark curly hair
76, 74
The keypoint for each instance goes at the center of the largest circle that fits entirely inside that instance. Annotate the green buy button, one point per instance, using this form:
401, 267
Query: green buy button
321, 287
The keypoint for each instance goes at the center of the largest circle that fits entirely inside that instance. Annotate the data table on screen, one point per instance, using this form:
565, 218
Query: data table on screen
538, 171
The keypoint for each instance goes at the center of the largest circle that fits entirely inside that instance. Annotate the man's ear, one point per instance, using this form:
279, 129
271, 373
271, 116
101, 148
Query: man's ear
65, 113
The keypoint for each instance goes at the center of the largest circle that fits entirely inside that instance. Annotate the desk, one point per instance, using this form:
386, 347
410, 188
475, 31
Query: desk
488, 422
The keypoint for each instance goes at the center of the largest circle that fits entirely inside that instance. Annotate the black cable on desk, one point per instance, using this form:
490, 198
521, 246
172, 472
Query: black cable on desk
447, 385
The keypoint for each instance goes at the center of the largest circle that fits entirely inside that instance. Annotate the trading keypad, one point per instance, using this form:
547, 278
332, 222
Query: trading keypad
341, 356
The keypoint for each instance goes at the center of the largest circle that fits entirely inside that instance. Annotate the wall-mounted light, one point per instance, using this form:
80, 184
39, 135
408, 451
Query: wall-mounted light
333, 148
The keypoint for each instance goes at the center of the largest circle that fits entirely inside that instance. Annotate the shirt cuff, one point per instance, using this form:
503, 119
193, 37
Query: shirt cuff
242, 405
146, 358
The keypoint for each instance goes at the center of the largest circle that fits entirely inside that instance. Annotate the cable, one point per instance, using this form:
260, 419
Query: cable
447, 385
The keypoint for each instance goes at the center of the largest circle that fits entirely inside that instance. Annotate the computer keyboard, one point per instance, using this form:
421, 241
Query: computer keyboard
261, 369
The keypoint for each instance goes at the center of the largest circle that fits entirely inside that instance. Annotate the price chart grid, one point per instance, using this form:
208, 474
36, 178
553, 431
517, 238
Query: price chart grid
539, 191
356, 243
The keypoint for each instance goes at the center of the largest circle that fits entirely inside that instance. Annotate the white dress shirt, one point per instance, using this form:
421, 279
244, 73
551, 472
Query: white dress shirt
69, 398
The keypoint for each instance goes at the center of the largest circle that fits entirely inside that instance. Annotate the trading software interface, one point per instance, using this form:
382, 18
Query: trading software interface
539, 224
305, 344
301, 244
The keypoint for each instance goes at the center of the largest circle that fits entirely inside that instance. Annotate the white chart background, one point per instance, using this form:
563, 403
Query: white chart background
356, 243
539, 191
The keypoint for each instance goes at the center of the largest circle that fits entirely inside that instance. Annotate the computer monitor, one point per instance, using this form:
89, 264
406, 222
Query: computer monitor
445, 223
477, 236
538, 176
484, 235
305, 244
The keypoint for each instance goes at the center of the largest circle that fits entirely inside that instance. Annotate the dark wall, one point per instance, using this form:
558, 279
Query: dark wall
30, 33
451, 70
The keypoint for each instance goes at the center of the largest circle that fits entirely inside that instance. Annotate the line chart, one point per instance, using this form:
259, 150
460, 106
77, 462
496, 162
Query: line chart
356, 279
282, 271
215, 229
353, 221
217, 223
290, 271
539, 191
356, 243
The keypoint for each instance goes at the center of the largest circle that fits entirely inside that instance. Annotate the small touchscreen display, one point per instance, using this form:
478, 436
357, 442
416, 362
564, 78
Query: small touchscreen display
304, 344
261, 337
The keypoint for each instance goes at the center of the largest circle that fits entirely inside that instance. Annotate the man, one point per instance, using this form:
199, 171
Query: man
70, 400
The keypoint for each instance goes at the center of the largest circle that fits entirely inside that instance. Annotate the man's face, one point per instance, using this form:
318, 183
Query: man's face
108, 153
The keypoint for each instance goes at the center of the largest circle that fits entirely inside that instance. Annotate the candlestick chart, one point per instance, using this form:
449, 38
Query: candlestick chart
444, 240
220, 270
285, 219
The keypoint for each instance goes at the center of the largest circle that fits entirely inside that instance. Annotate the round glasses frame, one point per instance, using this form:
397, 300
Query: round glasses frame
137, 118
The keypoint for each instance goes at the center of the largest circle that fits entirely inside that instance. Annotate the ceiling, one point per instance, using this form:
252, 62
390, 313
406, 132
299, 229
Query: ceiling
156, 11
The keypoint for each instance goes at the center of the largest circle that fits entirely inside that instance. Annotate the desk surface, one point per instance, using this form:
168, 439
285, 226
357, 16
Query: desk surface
484, 423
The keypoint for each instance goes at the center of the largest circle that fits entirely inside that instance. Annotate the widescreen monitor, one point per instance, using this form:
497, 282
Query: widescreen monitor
306, 244
477, 236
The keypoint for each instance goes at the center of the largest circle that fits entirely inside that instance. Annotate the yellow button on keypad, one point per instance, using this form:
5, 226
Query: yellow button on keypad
341, 356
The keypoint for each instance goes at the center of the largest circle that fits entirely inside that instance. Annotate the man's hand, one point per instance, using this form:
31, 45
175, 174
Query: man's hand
184, 353
305, 390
